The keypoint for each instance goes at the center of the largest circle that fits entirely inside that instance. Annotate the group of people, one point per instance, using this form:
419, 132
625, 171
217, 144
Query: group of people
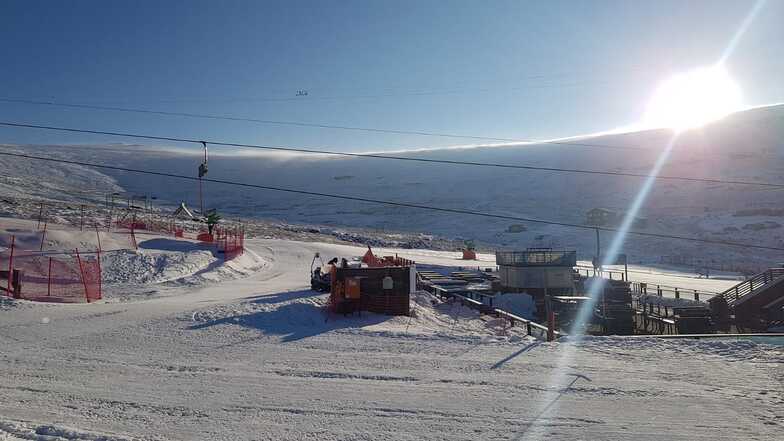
321, 277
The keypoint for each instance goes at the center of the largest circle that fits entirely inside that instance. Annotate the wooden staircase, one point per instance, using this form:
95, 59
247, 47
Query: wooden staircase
752, 286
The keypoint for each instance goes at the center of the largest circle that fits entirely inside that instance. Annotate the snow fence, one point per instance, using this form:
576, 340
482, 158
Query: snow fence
228, 240
50, 276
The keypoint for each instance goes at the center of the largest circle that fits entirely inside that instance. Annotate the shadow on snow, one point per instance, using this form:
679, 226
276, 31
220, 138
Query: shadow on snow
183, 246
292, 319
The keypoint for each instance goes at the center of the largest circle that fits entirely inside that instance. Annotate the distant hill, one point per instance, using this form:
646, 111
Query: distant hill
748, 145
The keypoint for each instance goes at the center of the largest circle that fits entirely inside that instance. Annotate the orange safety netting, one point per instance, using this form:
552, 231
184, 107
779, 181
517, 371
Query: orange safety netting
231, 242
373, 261
50, 276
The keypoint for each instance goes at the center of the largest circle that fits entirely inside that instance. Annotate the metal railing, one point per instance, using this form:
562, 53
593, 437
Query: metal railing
643, 288
750, 285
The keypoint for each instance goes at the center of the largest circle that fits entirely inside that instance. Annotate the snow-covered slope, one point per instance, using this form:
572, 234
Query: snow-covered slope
744, 146
257, 359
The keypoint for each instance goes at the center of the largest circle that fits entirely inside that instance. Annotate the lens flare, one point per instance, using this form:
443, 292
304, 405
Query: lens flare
561, 373
693, 99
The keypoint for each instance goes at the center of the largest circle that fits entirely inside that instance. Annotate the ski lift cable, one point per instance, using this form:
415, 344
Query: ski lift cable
399, 204
312, 125
398, 158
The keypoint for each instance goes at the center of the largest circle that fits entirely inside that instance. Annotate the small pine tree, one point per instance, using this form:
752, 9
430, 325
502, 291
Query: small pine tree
211, 220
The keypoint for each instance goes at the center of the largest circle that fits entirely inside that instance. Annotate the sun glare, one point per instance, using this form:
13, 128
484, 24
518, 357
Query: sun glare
693, 99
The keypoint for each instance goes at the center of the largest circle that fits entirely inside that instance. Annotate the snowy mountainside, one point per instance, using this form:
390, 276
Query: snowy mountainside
66, 182
745, 146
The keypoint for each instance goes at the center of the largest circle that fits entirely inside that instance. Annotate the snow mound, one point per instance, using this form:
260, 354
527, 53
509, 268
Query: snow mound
137, 267
18, 431
155, 269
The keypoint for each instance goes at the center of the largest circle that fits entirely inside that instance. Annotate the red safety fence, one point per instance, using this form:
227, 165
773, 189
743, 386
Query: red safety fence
134, 225
205, 237
231, 242
156, 225
373, 261
50, 276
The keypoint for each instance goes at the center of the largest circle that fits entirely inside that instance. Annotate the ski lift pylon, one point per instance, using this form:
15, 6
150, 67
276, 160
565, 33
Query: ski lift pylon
202, 173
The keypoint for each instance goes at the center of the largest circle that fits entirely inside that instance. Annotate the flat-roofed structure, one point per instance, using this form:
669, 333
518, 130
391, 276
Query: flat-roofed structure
537, 269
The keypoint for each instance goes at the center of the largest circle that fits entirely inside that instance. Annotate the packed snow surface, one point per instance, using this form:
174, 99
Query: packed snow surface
258, 358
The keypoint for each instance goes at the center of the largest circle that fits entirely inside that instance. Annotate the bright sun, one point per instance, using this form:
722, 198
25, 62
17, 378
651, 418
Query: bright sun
693, 99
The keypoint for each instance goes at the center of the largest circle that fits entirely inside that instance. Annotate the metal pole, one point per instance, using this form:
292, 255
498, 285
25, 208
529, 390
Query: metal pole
201, 199
548, 311
81, 273
133, 235
43, 236
98, 237
100, 276
111, 215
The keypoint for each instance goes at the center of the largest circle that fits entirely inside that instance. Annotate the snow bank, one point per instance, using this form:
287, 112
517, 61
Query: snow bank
17, 431
138, 267
155, 268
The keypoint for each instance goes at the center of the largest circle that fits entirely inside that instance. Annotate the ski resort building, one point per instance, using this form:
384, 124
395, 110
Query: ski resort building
383, 290
537, 271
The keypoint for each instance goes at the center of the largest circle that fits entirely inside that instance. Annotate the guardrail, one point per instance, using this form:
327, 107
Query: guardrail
645, 288
529, 325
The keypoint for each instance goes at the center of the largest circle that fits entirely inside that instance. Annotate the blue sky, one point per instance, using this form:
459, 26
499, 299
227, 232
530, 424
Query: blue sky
502, 69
